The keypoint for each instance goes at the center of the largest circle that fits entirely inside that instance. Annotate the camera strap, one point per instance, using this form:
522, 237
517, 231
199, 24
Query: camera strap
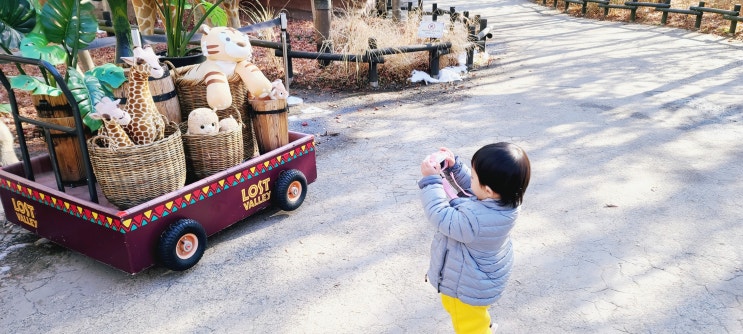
452, 188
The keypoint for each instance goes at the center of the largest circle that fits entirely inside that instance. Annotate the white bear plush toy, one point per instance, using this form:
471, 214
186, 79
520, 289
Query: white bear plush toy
203, 121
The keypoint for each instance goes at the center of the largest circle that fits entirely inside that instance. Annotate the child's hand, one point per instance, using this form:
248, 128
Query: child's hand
449, 156
429, 167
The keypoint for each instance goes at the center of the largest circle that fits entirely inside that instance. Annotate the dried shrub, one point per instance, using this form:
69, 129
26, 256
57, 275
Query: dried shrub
350, 32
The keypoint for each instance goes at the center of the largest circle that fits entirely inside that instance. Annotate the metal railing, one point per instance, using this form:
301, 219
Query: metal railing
48, 70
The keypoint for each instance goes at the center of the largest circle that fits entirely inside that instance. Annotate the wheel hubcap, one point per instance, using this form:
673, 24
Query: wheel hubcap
294, 191
187, 246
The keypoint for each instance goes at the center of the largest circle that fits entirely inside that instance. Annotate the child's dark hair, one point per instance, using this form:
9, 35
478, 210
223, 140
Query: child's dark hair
505, 168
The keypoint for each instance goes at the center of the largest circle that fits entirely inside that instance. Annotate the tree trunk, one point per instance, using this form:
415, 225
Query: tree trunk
396, 11
321, 15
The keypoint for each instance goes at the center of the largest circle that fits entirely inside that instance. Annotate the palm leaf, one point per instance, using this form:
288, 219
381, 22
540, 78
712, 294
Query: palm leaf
218, 15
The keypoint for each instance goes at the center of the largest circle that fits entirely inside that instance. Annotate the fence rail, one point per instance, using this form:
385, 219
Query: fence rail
732, 15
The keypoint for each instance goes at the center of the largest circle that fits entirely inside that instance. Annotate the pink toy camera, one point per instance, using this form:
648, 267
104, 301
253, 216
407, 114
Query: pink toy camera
440, 158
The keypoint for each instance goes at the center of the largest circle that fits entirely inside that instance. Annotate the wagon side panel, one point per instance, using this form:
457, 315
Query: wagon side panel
216, 202
90, 231
230, 196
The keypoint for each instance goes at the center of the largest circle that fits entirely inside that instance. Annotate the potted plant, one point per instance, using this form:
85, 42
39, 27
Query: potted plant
62, 28
66, 28
181, 23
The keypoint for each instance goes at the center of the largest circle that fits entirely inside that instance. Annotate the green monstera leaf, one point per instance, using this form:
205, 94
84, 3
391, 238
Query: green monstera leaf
36, 46
17, 18
69, 22
33, 85
87, 92
109, 75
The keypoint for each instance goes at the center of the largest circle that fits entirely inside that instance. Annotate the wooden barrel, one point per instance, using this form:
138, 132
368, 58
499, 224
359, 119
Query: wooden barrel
271, 124
163, 93
56, 110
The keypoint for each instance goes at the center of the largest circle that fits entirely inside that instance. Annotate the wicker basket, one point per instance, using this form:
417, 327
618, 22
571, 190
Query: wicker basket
209, 154
192, 95
129, 176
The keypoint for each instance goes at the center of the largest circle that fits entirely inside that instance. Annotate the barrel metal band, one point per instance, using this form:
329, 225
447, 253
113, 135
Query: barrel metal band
47, 110
253, 113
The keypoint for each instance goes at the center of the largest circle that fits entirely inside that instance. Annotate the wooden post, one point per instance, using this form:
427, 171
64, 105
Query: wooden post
472, 38
433, 56
664, 17
698, 22
321, 16
373, 75
734, 23
633, 12
85, 61
396, 11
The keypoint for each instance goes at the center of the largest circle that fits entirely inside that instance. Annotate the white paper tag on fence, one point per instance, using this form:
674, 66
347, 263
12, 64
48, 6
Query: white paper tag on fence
431, 29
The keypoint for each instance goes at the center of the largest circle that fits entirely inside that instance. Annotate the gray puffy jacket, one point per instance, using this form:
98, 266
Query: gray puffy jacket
471, 253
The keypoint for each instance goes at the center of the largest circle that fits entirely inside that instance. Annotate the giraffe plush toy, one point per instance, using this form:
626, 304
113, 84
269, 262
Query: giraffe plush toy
227, 51
113, 119
147, 53
147, 125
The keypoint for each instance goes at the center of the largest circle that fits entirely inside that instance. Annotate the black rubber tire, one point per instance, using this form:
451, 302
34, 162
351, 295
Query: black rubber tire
175, 250
290, 190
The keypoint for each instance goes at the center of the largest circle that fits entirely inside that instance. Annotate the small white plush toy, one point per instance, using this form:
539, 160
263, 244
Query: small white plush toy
7, 152
278, 91
228, 124
203, 121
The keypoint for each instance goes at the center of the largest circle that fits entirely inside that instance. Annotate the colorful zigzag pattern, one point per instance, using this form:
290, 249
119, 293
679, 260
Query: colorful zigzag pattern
162, 209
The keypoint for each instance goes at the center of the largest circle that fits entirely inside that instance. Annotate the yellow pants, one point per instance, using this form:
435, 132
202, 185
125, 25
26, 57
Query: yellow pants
467, 319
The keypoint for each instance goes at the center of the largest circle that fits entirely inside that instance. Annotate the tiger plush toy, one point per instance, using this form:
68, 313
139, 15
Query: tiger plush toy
227, 51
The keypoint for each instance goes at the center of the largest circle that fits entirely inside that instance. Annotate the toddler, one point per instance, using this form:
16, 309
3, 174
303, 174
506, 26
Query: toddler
471, 252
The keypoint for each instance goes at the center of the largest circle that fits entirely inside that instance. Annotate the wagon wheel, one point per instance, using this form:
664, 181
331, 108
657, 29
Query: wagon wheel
291, 188
182, 245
